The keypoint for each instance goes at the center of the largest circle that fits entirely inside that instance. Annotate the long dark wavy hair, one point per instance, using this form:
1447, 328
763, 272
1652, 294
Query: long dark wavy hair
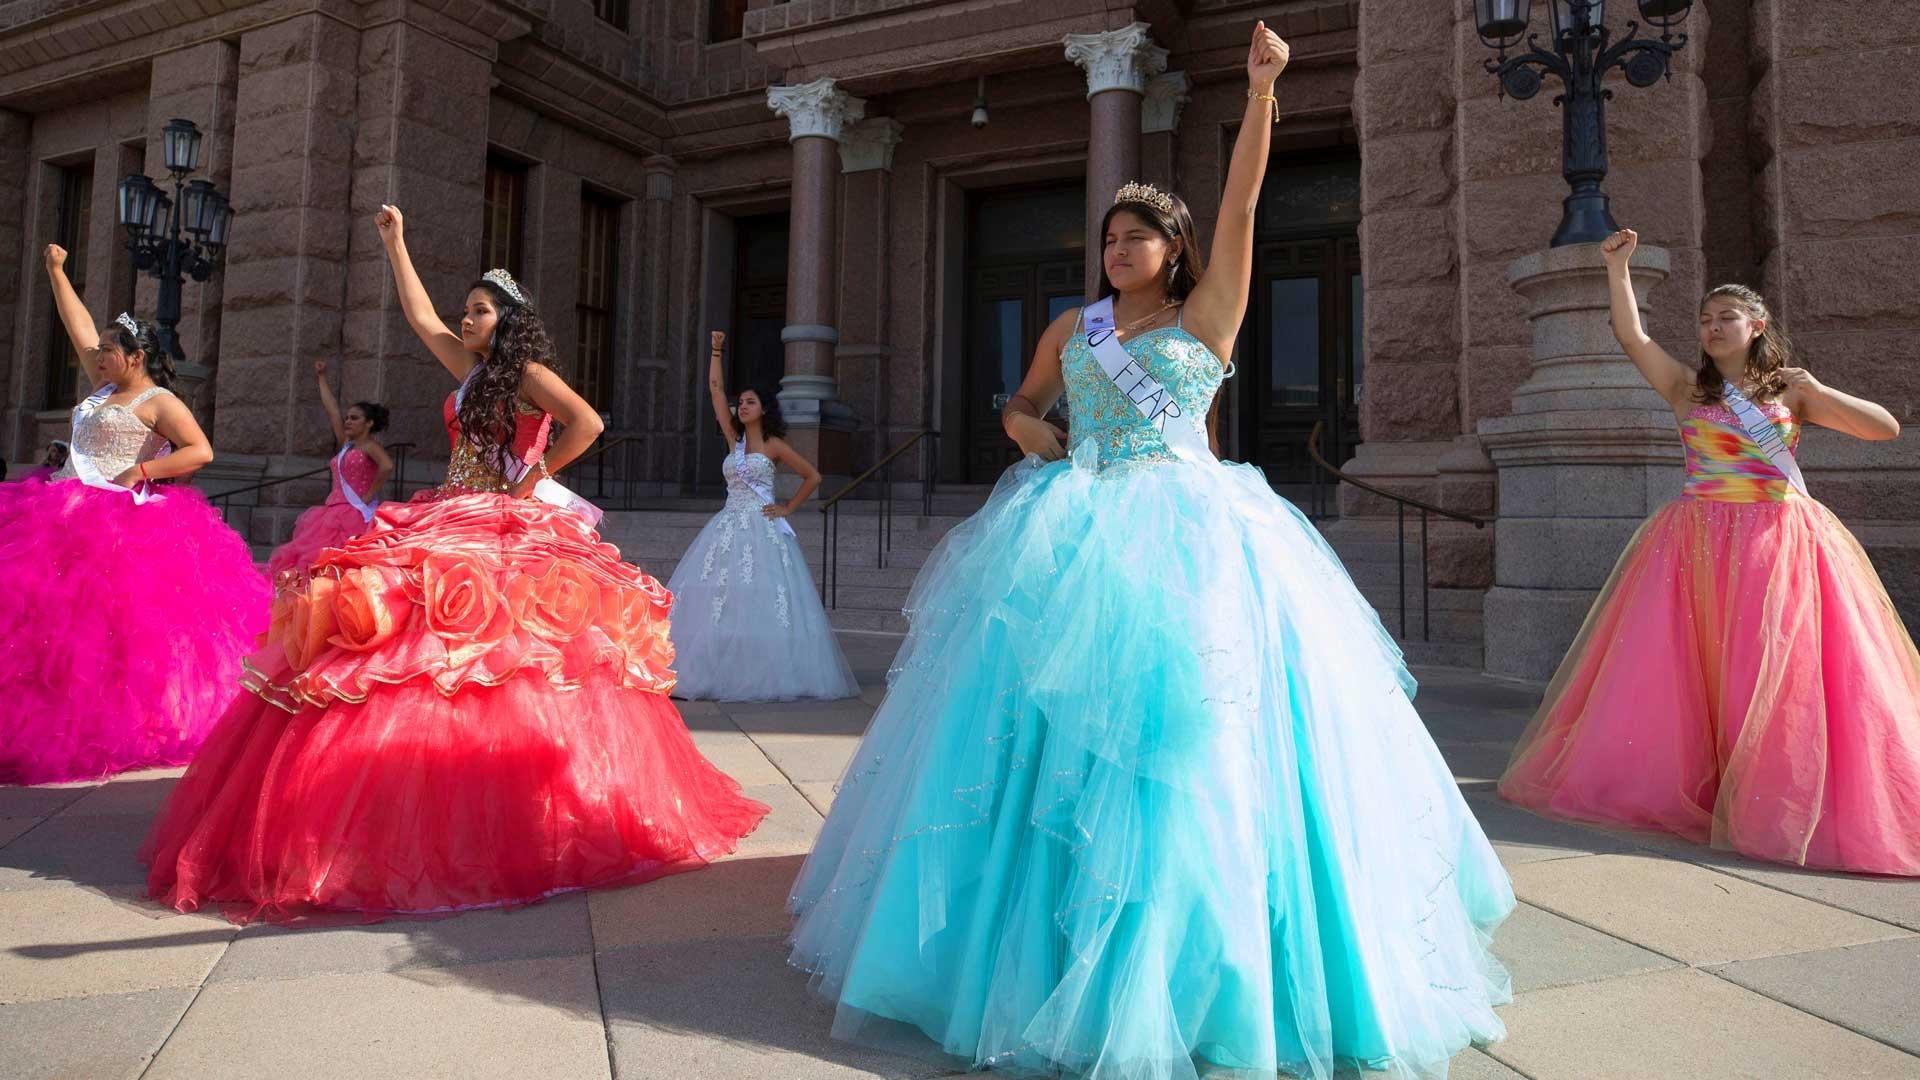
1769, 351
772, 424
519, 338
1177, 225
158, 364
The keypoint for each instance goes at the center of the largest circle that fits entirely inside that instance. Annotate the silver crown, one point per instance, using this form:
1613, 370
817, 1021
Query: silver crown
503, 281
126, 321
1134, 191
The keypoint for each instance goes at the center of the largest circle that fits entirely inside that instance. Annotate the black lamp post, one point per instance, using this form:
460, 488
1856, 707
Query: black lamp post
155, 224
1581, 57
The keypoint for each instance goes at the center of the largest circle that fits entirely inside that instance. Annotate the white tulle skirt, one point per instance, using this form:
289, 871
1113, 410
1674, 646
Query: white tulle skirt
747, 620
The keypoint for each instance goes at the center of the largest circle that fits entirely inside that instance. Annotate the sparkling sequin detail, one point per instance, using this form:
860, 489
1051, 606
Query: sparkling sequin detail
1103, 415
113, 438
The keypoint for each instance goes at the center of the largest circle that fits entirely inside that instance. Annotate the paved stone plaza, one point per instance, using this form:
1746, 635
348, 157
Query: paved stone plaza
1632, 957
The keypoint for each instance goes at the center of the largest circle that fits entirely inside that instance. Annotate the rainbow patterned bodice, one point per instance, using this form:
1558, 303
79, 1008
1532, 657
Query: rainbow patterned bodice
467, 470
357, 470
1103, 415
1724, 465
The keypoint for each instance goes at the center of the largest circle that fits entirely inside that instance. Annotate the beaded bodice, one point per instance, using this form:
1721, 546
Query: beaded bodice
357, 470
1105, 417
1725, 465
112, 437
744, 472
469, 467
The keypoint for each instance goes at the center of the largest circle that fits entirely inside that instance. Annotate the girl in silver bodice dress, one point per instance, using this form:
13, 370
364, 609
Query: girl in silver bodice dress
125, 608
747, 619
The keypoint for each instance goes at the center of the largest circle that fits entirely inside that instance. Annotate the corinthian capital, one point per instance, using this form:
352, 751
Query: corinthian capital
1122, 59
815, 108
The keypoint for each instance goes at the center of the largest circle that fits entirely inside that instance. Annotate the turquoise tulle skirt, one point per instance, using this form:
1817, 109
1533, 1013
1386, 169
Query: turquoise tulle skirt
1148, 799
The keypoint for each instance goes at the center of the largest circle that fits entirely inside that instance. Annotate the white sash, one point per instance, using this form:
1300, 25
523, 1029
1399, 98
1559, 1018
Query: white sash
764, 491
1766, 435
84, 470
547, 489
346, 489
1186, 435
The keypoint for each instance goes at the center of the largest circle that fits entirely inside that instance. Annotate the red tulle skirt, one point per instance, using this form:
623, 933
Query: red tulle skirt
466, 706
1743, 680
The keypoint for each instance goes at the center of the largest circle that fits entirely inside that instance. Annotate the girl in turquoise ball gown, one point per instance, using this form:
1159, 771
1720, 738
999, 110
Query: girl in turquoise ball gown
1148, 796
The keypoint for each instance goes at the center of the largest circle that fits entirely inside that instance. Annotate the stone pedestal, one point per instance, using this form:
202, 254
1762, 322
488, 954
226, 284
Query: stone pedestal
1587, 453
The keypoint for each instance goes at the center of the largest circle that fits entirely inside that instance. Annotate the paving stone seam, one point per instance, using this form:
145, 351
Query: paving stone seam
1843, 1025
181, 1019
1694, 855
37, 822
600, 1000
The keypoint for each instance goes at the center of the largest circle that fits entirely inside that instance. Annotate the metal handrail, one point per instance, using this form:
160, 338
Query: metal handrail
599, 455
399, 451
1401, 502
929, 440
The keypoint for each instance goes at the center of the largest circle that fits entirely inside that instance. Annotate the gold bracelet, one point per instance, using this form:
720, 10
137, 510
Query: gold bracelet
1273, 103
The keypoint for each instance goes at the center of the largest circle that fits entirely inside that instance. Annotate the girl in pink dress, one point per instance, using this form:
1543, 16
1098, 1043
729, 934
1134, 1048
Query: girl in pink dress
1743, 679
125, 608
359, 468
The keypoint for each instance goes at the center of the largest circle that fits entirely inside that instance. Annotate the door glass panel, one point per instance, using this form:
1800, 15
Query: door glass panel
1293, 312
1357, 342
997, 334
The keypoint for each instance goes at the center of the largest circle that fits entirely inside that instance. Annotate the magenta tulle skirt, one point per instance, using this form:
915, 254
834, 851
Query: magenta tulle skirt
1744, 681
322, 527
122, 628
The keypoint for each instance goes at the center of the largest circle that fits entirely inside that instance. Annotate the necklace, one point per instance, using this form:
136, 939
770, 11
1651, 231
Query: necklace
1148, 317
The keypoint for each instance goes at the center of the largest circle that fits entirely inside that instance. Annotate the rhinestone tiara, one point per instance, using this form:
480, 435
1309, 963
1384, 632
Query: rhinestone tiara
503, 281
126, 321
1136, 192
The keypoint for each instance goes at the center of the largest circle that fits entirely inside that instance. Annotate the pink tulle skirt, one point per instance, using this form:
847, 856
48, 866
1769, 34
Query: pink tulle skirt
319, 528
122, 628
1742, 680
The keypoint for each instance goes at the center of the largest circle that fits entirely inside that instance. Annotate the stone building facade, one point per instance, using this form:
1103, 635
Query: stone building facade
884, 200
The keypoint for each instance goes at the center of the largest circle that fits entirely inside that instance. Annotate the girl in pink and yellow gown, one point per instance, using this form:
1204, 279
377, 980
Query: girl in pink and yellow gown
1743, 679
125, 608
466, 705
358, 470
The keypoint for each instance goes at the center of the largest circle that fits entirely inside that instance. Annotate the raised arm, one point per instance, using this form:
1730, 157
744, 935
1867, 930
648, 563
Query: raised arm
73, 314
414, 301
1022, 417
717, 388
784, 454
1219, 302
1669, 377
328, 403
1817, 403
552, 394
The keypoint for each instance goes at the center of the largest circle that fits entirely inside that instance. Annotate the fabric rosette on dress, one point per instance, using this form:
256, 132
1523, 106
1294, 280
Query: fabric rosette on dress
465, 706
